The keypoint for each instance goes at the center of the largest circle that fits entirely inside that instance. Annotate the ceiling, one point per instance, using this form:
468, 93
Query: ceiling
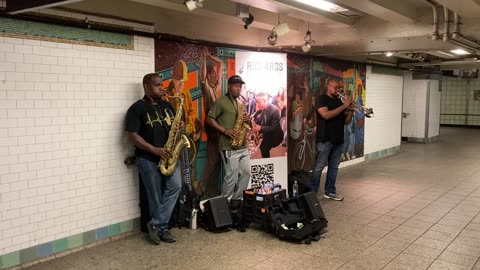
365, 32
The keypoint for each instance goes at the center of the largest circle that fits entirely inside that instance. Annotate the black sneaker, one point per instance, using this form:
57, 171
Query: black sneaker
167, 237
154, 233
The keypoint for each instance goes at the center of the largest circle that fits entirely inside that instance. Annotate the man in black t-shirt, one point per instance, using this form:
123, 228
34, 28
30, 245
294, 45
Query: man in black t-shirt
332, 115
148, 125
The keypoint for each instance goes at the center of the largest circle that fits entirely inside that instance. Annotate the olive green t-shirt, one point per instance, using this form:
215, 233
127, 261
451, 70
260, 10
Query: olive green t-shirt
224, 110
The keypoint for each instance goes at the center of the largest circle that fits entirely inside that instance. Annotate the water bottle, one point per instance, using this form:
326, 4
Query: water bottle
193, 219
295, 189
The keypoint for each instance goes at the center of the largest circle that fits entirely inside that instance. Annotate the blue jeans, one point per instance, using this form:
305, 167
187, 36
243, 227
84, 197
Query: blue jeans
332, 153
162, 191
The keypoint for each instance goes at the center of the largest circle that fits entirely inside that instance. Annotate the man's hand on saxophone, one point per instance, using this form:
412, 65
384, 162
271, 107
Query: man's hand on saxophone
232, 133
246, 118
161, 152
181, 125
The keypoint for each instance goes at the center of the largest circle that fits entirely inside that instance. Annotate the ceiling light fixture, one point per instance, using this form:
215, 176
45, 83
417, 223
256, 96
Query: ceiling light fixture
323, 5
460, 52
193, 4
272, 38
388, 54
446, 54
281, 29
309, 42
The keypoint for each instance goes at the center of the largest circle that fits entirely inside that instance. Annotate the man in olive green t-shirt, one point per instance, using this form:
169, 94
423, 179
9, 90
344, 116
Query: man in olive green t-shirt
236, 161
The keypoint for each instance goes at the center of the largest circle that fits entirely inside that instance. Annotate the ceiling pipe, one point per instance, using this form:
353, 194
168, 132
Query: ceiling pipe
446, 24
458, 36
435, 20
443, 63
462, 44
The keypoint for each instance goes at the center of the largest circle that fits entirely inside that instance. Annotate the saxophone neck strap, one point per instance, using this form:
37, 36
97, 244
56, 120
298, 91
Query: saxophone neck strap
234, 104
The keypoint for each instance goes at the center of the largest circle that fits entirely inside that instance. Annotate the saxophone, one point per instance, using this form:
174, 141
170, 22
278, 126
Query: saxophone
241, 126
175, 142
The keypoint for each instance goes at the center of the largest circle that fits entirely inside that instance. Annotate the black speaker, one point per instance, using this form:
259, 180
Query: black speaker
216, 215
311, 206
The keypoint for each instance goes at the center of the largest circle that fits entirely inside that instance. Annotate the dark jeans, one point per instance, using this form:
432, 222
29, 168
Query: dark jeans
162, 191
332, 153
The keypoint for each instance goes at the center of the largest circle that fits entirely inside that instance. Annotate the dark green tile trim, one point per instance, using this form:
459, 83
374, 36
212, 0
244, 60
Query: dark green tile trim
382, 153
75, 241
424, 140
60, 245
114, 229
28, 254
136, 224
11, 259
126, 226
89, 237
45, 249
60, 33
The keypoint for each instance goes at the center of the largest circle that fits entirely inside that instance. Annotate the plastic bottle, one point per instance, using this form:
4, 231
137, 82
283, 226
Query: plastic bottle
295, 189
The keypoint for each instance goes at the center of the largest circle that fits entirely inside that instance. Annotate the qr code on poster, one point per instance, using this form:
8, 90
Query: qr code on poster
261, 174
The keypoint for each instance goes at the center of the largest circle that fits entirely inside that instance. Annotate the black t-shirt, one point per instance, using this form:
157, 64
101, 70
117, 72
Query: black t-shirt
152, 123
329, 130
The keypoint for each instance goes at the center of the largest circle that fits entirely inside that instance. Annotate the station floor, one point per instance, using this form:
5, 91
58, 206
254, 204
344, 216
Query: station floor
418, 209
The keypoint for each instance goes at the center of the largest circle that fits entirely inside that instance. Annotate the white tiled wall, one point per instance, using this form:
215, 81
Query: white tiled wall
458, 105
434, 109
384, 95
415, 106
453, 104
62, 142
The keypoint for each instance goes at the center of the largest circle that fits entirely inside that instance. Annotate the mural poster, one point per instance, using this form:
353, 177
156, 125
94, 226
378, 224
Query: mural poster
307, 81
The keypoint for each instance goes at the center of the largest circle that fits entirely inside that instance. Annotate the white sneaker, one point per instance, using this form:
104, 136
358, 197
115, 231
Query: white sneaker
333, 196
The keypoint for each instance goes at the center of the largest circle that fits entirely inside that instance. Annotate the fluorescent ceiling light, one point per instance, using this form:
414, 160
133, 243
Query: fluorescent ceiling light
323, 5
445, 53
459, 52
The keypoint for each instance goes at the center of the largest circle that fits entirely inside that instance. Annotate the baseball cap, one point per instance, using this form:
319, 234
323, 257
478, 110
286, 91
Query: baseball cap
235, 79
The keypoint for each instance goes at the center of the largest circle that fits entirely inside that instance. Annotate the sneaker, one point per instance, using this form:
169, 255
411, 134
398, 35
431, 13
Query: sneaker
333, 196
167, 237
154, 233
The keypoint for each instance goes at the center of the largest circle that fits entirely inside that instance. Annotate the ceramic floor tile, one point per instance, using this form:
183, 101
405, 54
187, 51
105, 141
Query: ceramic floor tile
397, 266
412, 260
457, 258
439, 265
432, 243
423, 251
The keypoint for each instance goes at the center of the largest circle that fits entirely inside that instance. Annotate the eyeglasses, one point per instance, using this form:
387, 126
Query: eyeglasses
336, 87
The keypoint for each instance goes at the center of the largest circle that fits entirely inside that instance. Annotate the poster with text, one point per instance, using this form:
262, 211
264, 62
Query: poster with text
265, 76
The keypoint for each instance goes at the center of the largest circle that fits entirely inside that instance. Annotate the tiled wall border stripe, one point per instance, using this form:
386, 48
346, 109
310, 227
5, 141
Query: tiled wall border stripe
59, 246
382, 153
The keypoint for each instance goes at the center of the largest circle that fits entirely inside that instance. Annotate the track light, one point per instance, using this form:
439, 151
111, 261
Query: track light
247, 20
272, 38
281, 29
388, 54
193, 4
309, 42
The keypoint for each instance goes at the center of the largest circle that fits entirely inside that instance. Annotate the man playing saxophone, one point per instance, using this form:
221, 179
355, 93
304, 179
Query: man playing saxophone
148, 123
223, 117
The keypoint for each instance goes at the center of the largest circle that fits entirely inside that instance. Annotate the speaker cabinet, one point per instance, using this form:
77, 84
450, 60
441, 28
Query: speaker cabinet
217, 215
311, 206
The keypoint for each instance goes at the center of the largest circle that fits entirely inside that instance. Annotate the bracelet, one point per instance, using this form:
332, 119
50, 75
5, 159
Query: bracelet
224, 130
